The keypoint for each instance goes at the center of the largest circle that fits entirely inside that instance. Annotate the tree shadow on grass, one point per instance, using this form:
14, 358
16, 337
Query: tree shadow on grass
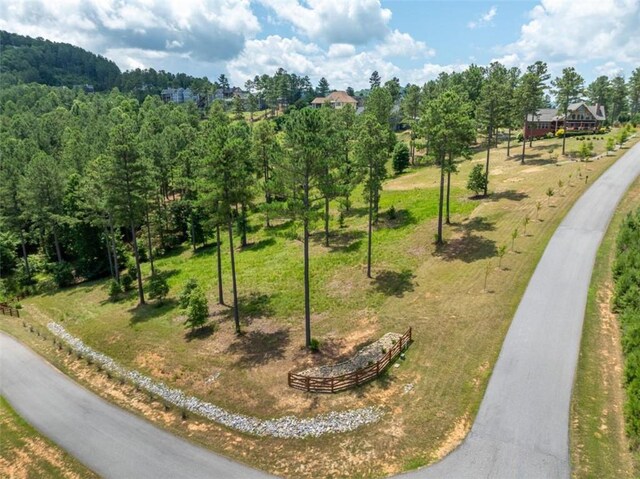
199, 333
477, 223
146, 312
262, 244
341, 241
468, 248
259, 347
400, 219
512, 195
393, 283
251, 306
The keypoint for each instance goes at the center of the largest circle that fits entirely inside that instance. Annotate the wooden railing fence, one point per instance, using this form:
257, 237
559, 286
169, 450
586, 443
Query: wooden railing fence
9, 311
355, 378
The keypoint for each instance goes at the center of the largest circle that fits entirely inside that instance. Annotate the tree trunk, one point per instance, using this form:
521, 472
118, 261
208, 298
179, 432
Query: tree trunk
448, 189
441, 201
564, 129
57, 244
25, 256
486, 170
236, 312
509, 143
307, 299
109, 258
219, 254
114, 250
326, 221
136, 255
243, 222
193, 233
524, 139
153, 269
267, 193
370, 222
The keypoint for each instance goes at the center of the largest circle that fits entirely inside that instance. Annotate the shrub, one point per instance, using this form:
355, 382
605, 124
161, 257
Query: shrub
63, 274
520, 136
115, 289
549, 135
477, 179
158, 287
400, 157
560, 133
127, 282
392, 214
185, 296
198, 310
314, 345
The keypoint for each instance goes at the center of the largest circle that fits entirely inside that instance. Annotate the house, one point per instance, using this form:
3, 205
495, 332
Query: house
336, 99
177, 95
580, 117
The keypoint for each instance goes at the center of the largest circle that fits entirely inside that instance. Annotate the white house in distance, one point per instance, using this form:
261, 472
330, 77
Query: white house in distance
336, 99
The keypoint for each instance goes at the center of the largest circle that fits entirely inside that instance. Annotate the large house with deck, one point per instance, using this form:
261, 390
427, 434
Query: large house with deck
580, 117
336, 99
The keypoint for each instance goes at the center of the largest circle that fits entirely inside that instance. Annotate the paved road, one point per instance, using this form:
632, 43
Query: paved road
109, 440
522, 427
521, 430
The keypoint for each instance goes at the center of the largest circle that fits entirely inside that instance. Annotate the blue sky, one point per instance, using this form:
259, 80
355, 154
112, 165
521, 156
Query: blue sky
343, 40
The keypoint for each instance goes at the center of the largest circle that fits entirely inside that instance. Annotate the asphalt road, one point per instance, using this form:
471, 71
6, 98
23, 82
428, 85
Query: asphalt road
522, 427
111, 441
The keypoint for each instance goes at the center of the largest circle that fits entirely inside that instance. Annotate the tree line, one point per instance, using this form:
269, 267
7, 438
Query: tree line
93, 185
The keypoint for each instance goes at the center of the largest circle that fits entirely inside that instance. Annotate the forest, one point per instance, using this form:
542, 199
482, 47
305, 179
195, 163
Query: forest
91, 185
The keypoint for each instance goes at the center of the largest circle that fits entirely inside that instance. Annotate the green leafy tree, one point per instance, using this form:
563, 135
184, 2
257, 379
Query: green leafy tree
185, 295
126, 179
371, 154
493, 105
400, 158
298, 176
567, 88
633, 87
375, 80
158, 287
530, 95
619, 98
394, 88
451, 130
410, 107
611, 144
265, 149
477, 179
599, 92
323, 87
238, 107
502, 250
198, 309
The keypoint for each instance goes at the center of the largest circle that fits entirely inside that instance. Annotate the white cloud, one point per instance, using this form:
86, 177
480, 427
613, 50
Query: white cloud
397, 44
563, 33
334, 21
341, 64
485, 18
205, 31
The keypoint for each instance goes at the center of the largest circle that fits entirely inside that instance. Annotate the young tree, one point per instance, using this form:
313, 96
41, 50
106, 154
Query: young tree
410, 111
227, 166
238, 107
512, 119
158, 287
371, 154
477, 179
323, 87
493, 105
400, 158
264, 149
599, 92
619, 94
198, 309
298, 175
451, 130
530, 95
126, 180
633, 87
611, 144
568, 88
374, 80
394, 88
348, 175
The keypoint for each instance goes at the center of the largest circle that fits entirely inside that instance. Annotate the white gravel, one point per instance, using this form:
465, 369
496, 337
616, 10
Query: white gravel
288, 427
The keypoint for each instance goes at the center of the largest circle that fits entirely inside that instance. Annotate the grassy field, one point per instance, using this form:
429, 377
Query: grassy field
24, 453
599, 445
459, 321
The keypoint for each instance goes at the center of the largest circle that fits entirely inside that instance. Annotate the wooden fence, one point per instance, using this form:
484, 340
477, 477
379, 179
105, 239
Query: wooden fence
349, 380
8, 310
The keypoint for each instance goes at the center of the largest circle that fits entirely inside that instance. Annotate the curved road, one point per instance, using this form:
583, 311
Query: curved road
521, 430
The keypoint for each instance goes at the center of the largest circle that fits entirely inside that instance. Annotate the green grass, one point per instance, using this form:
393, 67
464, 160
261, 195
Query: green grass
600, 448
458, 325
24, 453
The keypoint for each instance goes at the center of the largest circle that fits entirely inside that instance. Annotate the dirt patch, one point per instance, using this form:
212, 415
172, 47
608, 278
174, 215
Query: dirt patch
30, 458
455, 437
409, 182
533, 169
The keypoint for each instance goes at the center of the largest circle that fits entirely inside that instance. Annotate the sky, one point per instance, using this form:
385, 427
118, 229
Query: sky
342, 40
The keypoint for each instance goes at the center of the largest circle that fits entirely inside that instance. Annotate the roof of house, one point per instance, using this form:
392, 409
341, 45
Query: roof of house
335, 97
552, 114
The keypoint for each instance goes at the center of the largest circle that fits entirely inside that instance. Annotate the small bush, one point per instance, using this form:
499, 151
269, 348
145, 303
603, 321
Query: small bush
185, 296
127, 282
549, 135
63, 274
198, 310
560, 133
158, 287
392, 214
314, 345
115, 289
520, 137
477, 179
